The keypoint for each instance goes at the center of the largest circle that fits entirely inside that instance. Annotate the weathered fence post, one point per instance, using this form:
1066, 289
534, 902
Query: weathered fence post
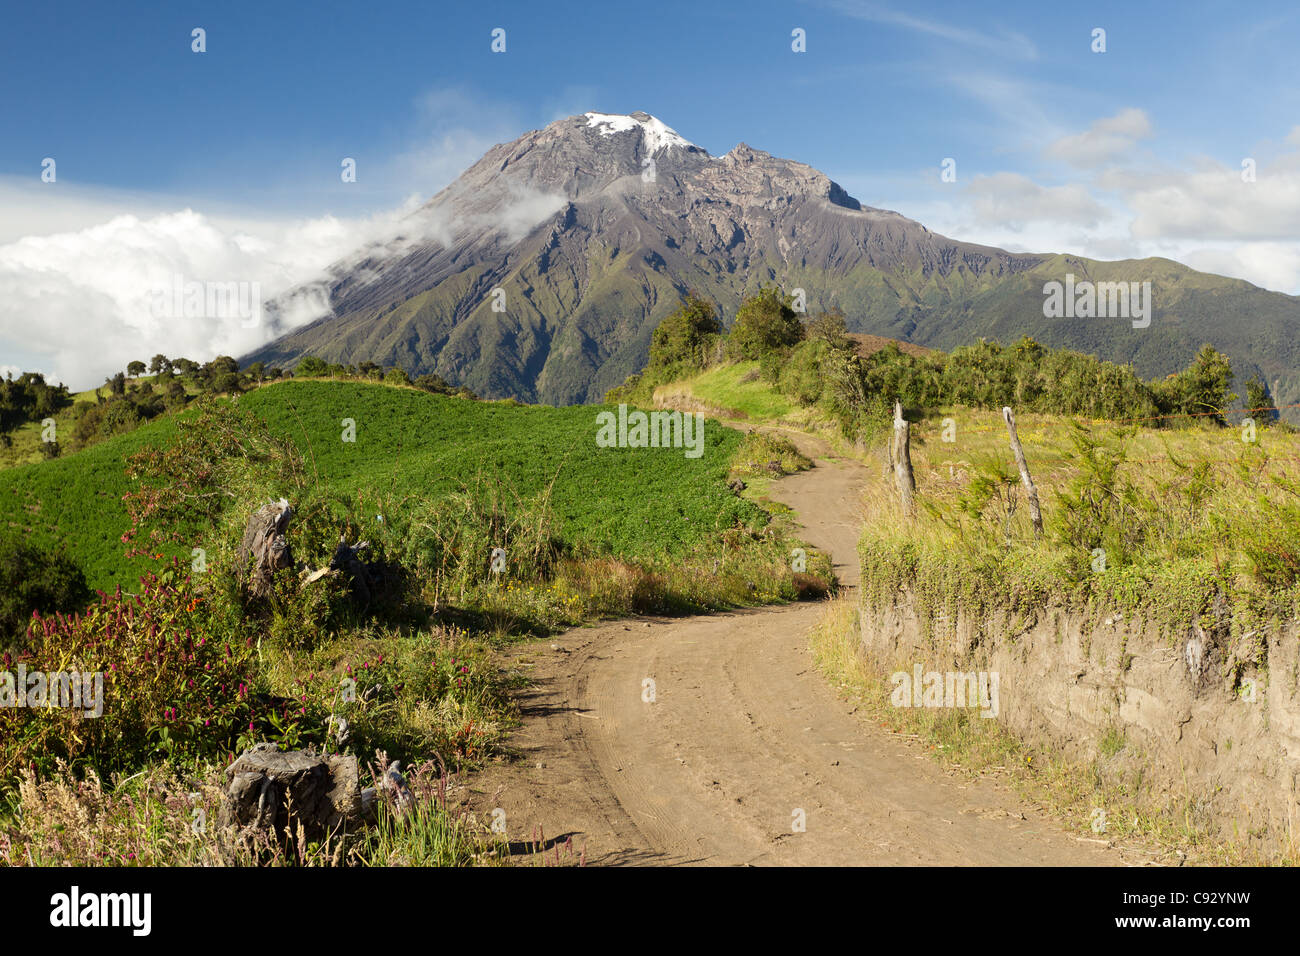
887, 468
902, 455
1035, 513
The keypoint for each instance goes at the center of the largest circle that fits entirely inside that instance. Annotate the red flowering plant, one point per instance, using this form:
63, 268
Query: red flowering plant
174, 681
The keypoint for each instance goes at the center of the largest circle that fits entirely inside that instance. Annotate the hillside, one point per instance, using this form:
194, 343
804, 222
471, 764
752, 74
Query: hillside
541, 272
410, 446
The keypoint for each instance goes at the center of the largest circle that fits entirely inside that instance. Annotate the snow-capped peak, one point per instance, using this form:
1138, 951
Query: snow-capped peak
655, 134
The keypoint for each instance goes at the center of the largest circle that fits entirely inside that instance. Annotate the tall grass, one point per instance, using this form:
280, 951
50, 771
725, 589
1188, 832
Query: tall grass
1153, 521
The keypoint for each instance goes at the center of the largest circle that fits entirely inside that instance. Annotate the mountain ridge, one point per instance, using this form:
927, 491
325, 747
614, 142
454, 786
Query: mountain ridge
541, 272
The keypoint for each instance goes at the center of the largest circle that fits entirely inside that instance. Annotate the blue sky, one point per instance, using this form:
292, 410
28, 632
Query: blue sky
1135, 151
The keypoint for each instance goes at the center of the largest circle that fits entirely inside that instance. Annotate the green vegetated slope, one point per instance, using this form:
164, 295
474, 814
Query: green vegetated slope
734, 388
74, 503
409, 445
627, 500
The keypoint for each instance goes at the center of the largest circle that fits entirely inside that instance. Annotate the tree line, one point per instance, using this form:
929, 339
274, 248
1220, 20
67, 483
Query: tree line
814, 361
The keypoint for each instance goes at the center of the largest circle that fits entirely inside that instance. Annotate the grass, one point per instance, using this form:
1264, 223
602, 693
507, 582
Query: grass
628, 501
1138, 520
156, 818
735, 389
26, 446
74, 503
410, 447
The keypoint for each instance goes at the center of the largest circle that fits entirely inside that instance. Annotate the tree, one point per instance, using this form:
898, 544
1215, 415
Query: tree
257, 371
397, 376
764, 323
1201, 389
135, 369
1259, 402
223, 365
116, 384
311, 367
830, 327
681, 339
160, 365
226, 382
432, 382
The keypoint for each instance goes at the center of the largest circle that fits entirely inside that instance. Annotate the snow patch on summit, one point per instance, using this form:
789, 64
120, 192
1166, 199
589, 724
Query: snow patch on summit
655, 134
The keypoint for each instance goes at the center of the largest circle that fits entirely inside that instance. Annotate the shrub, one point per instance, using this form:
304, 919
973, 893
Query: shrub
764, 322
451, 543
32, 579
311, 367
174, 684
760, 450
800, 375
681, 341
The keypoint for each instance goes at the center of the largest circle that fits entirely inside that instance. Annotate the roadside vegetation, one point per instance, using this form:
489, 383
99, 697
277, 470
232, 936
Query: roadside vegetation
484, 522
1178, 494
1173, 504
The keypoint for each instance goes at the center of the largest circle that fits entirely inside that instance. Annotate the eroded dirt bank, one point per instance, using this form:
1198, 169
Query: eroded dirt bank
1165, 716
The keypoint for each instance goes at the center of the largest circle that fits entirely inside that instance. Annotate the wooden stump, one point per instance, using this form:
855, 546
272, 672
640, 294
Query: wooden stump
279, 791
264, 549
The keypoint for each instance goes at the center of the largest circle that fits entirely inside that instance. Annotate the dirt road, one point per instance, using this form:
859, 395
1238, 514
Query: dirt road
742, 741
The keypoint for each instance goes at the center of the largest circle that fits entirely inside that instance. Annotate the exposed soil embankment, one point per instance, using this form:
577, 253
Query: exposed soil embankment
1181, 722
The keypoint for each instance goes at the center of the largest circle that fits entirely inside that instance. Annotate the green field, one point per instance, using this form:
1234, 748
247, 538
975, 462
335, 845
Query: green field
409, 445
735, 388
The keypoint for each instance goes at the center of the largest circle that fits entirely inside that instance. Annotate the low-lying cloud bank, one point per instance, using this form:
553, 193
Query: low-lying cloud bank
79, 305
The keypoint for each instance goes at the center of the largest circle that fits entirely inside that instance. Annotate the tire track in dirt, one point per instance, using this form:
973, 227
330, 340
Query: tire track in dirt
743, 734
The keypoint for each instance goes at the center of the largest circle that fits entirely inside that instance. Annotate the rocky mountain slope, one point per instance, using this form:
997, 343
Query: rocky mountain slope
541, 272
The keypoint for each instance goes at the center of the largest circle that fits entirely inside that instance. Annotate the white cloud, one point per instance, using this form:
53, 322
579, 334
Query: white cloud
80, 303
80, 267
1104, 141
1270, 265
1005, 43
1213, 202
1011, 200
